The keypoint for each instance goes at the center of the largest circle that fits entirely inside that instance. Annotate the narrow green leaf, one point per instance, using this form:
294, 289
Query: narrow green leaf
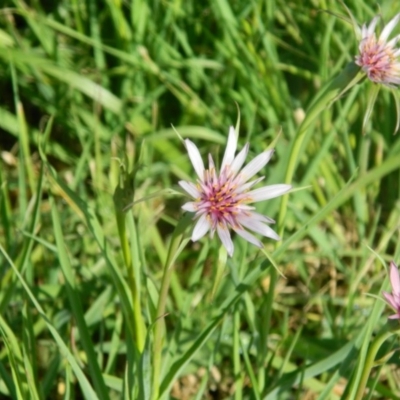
87, 389
76, 305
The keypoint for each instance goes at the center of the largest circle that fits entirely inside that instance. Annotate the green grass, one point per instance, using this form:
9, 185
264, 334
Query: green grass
102, 294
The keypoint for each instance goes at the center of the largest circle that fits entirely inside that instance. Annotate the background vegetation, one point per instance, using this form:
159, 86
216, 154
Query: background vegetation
90, 90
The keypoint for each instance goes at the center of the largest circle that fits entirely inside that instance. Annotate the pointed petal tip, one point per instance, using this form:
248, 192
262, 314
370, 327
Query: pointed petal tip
189, 207
201, 228
387, 30
230, 148
394, 278
269, 192
248, 236
225, 236
189, 188
195, 158
255, 165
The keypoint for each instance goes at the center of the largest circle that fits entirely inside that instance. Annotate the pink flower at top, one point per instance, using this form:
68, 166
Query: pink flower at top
393, 299
221, 200
378, 57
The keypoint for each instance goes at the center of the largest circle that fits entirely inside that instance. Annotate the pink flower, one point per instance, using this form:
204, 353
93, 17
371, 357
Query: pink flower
221, 201
378, 57
393, 299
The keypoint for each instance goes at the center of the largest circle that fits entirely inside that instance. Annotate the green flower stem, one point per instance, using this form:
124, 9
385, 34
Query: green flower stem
139, 326
237, 366
369, 362
175, 248
328, 94
267, 312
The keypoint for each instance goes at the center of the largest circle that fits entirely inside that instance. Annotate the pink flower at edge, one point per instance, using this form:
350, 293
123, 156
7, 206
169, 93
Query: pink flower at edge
378, 57
221, 200
393, 299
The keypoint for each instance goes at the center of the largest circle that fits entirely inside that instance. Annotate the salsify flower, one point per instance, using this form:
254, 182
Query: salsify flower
378, 57
221, 200
393, 299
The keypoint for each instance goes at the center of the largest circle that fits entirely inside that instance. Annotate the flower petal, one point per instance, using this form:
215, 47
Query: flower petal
190, 206
201, 228
262, 218
246, 186
249, 237
392, 43
394, 279
230, 148
240, 159
225, 237
255, 225
211, 164
364, 31
390, 300
244, 208
371, 28
255, 165
195, 158
268, 192
396, 53
190, 188
387, 30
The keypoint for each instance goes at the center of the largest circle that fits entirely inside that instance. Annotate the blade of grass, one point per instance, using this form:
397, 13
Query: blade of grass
76, 305
87, 389
19, 385
30, 354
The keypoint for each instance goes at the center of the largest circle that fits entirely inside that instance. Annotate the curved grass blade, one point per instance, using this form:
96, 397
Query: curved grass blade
76, 305
86, 387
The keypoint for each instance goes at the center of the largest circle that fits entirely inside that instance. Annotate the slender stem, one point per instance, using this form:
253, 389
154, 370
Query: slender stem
294, 155
159, 324
139, 325
369, 362
328, 94
236, 355
266, 325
